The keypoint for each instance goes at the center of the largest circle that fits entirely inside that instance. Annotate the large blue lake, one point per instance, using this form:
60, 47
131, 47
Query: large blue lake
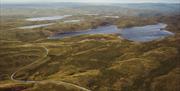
139, 34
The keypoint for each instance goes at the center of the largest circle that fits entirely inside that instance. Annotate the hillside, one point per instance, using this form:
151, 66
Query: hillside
90, 62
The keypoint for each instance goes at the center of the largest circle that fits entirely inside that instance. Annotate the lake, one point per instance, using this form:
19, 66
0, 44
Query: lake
50, 18
35, 26
91, 14
139, 34
71, 21
146, 33
44, 25
111, 16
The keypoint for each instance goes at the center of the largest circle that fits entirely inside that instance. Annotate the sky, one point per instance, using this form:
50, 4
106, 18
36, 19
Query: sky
92, 1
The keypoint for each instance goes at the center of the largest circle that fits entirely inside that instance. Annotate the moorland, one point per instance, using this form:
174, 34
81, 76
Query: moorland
29, 61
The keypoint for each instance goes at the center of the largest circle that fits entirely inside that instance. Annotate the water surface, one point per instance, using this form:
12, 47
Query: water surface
35, 26
48, 18
100, 30
91, 14
146, 33
111, 16
72, 21
139, 34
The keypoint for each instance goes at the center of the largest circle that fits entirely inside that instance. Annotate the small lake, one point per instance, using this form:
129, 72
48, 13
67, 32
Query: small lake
91, 14
71, 21
50, 18
35, 26
139, 34
111, 16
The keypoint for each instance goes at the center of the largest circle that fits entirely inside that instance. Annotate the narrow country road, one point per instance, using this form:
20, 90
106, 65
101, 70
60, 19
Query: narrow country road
22, 81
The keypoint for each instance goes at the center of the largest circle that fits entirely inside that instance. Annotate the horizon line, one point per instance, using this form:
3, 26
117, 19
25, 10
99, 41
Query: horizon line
92, 2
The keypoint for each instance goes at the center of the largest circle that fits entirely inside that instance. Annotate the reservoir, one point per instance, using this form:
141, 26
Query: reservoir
146, 33
139, 34
50, 18
71, 21
35, 26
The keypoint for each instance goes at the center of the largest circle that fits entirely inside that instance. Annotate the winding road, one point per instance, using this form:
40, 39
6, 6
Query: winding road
23, 81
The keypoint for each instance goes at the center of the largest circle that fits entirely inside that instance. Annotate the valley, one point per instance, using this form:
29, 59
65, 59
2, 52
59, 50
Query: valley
93, 49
